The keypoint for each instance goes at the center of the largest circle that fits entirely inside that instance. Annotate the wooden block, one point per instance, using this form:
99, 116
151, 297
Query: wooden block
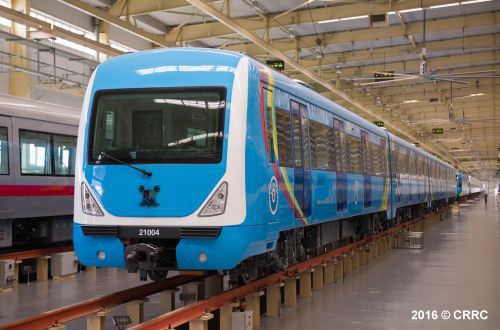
347, 264
329, 273
339, 270
252, 303
42, 269
362, 256
225, 316
167, 301
318, 277
97, 321
201, 323
273, 300
290, 291
305, 284
355, 260
135, 310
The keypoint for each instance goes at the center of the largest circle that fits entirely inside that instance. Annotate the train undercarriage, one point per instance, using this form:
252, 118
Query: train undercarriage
155, 257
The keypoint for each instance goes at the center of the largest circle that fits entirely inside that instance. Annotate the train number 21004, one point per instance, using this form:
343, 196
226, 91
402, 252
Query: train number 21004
149, 232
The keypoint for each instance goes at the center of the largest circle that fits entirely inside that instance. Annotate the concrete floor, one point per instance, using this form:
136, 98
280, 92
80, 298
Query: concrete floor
458, 269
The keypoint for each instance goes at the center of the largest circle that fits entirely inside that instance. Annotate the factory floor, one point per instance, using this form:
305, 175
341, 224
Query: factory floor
457, 270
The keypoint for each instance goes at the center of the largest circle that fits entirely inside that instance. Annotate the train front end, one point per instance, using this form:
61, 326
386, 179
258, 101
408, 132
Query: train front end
160, 173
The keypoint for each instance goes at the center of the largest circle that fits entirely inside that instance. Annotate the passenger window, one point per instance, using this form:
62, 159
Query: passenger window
283, 132
321, 146
35, 153
64, 154
383, 157
4, 151
354, 154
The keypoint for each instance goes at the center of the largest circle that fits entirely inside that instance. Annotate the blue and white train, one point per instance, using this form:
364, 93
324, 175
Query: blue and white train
199, 159
468, 186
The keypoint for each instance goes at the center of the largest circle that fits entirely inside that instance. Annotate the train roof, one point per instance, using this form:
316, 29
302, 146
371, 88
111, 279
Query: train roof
12, 106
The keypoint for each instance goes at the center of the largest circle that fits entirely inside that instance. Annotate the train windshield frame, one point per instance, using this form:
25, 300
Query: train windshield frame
158, 126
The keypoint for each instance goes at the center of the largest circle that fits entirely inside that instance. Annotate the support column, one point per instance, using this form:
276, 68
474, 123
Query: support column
167, 301
213, 285
97, 321
329, 273
252, 303
305, 284
347, 264
190, 293
362, 256
16, 272
19, 82
318, 277
42, 269
201, 323
135, 310
374, 249
355, 260
226, 315
290, 291
338, 270
273, 300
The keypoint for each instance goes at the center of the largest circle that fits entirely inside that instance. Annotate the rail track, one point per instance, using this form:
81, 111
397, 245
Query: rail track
200, 308
35, 253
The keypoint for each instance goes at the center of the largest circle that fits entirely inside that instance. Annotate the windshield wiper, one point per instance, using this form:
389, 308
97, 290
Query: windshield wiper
144, 172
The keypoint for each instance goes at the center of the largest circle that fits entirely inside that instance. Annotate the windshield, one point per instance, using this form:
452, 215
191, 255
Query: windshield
158, 126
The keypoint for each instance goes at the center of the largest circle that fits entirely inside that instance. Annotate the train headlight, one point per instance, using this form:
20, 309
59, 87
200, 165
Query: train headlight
89, 205
217, 203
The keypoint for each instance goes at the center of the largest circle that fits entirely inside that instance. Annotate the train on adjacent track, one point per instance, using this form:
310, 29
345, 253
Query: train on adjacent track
468, 186
37, 164
193, 159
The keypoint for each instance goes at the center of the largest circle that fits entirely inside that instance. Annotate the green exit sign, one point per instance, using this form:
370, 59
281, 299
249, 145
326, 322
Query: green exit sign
417, 144
437, 130
379, 123
276, 64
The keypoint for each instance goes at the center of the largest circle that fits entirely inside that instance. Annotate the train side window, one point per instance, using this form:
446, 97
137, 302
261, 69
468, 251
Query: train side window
321, 148
383, 157
354, 147
283, 132
4, 151
64, 154
269, 125
36, 152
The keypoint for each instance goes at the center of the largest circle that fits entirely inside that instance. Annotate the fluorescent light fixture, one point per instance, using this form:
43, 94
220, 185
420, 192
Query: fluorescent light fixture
454, 4
410, 10
473, 1
410, 101
342, 19
476, 94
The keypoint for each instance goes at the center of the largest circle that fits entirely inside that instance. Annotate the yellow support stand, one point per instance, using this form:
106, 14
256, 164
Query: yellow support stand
305, 284
201, 323
318, 277
135, 310
291, 291
273, 300
329, 273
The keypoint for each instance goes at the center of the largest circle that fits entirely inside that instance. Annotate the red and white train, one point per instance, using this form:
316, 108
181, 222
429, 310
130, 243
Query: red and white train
37, 156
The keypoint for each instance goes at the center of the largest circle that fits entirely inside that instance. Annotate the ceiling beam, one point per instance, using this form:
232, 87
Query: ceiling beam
367, 34
56, 31
119, 23
255, 23
268, 48
406, 50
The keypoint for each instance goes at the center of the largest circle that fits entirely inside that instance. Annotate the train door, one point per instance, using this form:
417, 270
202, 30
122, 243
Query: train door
301, 156
341, 183
6, 172
409, 169
395, 171
367, 179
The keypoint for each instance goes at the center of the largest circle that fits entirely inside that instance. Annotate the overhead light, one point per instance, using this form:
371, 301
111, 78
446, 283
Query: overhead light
342, 19
476, 94
410, 101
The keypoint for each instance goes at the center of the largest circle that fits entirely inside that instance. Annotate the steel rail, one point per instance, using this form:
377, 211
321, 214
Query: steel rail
72, 312
35, 253
188, 313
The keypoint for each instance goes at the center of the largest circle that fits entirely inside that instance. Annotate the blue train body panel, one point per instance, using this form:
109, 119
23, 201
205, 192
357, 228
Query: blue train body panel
271, 187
